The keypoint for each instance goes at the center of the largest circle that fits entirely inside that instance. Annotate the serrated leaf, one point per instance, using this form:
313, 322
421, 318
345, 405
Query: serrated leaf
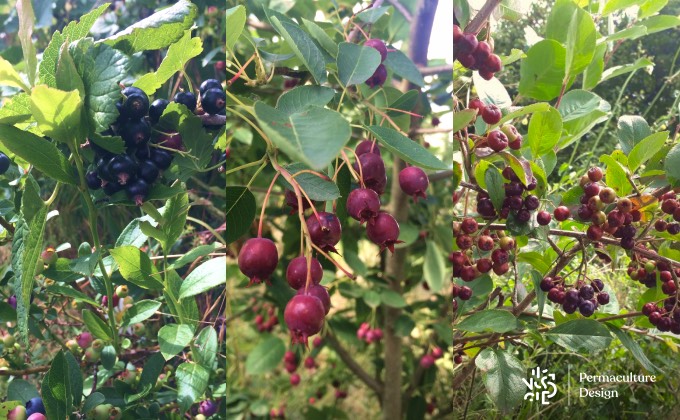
174, 219
634, 348
156, 31
645, 149
581, 334
502, 374
211, 273
407, 149
240, 212
543, 70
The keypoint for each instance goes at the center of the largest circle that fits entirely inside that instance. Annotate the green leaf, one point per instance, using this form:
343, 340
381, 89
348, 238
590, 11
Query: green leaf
204, 349
402, 66
70, 292
356, 63
391, 298
614, 5
85, 265
236, 20
192, 381
494, 186
575, 29
240, 212
634, 348
581, 334
132, 234
592, 75
645, 149
301, 44
156, 31
316, 188
173, 338
581, 111
321, 37
616, 175
97, 326
9, 76
67, 77
651, 7
545, 130
16, 109
140, 311
56, 389
502, 374
265, 356
631, 129
152, 369
100, 67
407, 149
136, 267
196, 140
211, 273
672, 163
24, 10
26, 248
297, 134
543, 70
495, 320
634, 32
491, 91
193, 254
615, 71
462, 119
371, 15
174, 219
301, 97
21, 390
39, 152
434, 267
660, 23
93, 400
177, 57
372, 298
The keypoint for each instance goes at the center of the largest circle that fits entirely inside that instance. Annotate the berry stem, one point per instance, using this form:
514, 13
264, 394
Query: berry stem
264, 204
335, 263
240, 70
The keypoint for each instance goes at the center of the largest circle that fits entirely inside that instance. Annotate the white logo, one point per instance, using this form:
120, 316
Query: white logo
539, 389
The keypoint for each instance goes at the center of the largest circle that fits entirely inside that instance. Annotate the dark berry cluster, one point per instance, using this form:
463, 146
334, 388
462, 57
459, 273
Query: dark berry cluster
491, 115
584, 296
474, 54
518, 201
664, 318
646, 271
461, 292
671, 214
368, 334
380, 75
213, 98
136, 170
492, 251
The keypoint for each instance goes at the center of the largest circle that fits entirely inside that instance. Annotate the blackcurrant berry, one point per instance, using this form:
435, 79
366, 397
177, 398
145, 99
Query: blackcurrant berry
213, 101
188, 99
209, 84
156, 110
135, 133
4, 163
148, 171
138, 191
93, 181
135, 106
162, 158
123, 168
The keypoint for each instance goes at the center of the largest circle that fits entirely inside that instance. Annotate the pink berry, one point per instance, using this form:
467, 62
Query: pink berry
413, 181
258, 259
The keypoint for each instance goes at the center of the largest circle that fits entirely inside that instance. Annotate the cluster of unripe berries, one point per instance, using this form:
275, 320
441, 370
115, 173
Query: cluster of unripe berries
34, 409
647, 271
265, 318
474, 54
380, 74
671, 210
582, 296
369, 335
428, 359
665, 318
493, 249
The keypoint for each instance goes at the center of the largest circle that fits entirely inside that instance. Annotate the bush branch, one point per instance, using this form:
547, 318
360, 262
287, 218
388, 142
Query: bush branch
352, 364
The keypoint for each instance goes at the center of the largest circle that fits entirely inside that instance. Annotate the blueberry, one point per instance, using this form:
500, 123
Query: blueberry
35, 405
156, 110
4, 163
209, 84
213, 101
187, 99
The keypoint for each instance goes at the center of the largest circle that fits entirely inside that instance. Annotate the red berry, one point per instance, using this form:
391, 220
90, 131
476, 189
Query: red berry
324, 231
543, 218
469, 225
497, 140
464, 293
257, 259
485, 243
595, 174
467, 43
304, 316
413, 181
379, 46
477, 104
296, 273
318, 292
594, 233
363, 204
491, 114
295, 379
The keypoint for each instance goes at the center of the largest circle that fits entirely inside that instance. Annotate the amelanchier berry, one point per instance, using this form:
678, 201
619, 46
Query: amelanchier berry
379, 46
414, 181
304, 316
384, 231
363, 204
257, 259
296, 273
324, 230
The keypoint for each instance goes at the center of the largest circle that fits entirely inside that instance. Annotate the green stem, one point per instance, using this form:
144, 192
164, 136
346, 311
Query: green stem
92, 218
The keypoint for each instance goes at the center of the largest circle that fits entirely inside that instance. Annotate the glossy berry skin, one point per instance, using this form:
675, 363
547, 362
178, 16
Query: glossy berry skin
92, 180
325, 231
135, 103
543, 218
378, 78
213, 101
296, 273
292, 201
427, 361
35, 405
492, 64
148, 171
156, 110
209, 84
257, 259
414, 181
304, 316
110, 188
188, 99
320, 293
208, 407
497, 140
123, 168
384, 231
561, 213
4, 163
379, 46
367, 146
363, 204
477, 104
295, 379
586, 308
135, 133
491, 114
467, 43
162, 158
371, 167
138, 191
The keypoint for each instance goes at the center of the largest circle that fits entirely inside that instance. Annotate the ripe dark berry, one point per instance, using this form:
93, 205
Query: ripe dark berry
543, 218
586, 292
586, 308
4, 163
594, 233
458, 359
93, 181
325, 231
208, 407
110, 188
162, 158
584, 212
513, 189
595, 174
481, 52
547, 284
591, 189
304, 316
624, 205
296, 273
669, 206
214, 101
135, 104
491, 114
135, 133
384, 231
492, 64
35, 405
468, 273
469, 225
320, 293
171, 141
477, 104
413, 181
148, 171
467, 60
523, 216
209, 84
497, 140
156, 110
572, 296
464, 293
673, 228
257, 259
367, 146
499, 256
378, 78
627, 243
379, 46
292, 201
485, 243
467, 43
123, 168
138, 191
363, 204
372, 169
464, 241
188, 99
484, 265
554, 295
531, 202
